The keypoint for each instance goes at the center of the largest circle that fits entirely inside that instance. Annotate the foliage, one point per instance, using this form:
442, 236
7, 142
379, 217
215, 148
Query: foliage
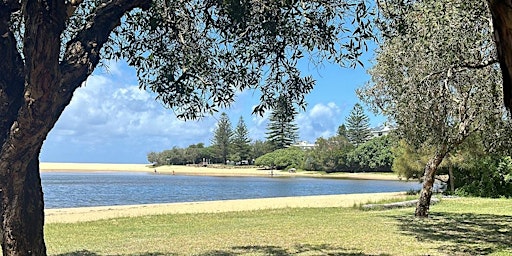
488, 176
358, 126
342, 131
194, 55
431, 75
374, 155
284, 158
328, 155
483, 171
203, 52
193, 154
222, 137
281, 129
435, 96
259, 148
240, 143
409, 162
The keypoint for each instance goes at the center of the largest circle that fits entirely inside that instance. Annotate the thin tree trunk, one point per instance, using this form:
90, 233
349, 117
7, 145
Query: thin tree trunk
423, 206
451, 178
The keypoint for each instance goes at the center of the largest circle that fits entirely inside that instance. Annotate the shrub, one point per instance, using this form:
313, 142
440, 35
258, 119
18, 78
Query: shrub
282, 158
489, 176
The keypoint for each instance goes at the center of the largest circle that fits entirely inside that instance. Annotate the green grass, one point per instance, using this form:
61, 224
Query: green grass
467, 226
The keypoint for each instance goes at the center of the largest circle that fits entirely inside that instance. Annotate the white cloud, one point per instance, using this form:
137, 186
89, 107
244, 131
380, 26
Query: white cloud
106, 119
322, 120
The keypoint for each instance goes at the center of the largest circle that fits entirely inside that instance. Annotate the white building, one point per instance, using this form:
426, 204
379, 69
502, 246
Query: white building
304, 145
381, 130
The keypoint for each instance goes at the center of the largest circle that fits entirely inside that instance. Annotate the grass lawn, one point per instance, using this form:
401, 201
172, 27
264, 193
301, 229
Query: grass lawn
468, 226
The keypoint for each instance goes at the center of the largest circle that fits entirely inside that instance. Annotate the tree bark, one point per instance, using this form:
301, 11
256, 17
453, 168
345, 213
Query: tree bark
34, 90
451, 178
23, 209
501, 11
423, 205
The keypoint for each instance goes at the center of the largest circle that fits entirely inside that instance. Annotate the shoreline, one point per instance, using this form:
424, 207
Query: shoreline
84, 214
46, 167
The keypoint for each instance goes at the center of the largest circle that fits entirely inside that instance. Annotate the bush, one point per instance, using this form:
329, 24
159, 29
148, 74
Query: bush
489, 176
282, 159
374, 155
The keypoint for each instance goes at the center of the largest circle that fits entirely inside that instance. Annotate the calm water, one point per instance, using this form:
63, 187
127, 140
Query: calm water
64, 190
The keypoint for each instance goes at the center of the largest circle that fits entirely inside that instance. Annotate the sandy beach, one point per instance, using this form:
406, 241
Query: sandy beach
68, 215
71, 215
208, 171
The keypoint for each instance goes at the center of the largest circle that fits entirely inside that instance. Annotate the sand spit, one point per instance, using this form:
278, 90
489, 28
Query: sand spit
72, 215
206, 171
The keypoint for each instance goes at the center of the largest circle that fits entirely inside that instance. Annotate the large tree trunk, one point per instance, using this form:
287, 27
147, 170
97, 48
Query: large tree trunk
22, 209
501, 11
423, 206
34, 90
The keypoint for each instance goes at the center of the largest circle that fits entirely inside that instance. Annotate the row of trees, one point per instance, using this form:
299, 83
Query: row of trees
234, 145
335, 154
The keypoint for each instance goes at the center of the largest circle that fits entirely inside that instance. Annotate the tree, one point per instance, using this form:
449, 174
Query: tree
358, 126
259, 148
431, 75
241, 142
281, 129
342, 131
409, 162
374, 155
222, 137
283, 158
501, 24
501, 13
329, 154
193, 54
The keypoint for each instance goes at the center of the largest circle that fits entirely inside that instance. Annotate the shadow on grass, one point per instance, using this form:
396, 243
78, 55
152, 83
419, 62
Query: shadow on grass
466, 234
88, 253
263, 250
279, 251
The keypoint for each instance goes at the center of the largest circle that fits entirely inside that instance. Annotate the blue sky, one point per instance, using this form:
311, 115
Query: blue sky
110, 120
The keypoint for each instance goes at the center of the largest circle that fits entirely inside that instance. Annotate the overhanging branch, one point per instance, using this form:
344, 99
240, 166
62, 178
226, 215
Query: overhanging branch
82, 52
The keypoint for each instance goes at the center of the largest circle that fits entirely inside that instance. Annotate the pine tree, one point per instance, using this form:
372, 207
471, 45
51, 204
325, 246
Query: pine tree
241, 147
342, 131
358, 126
282, 130
222, 137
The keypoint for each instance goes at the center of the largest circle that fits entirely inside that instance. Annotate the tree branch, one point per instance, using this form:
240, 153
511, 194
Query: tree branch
11, 66
82, 52
480, 65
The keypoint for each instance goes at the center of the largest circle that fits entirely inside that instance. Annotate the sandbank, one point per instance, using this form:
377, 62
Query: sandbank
207, 171
73, 215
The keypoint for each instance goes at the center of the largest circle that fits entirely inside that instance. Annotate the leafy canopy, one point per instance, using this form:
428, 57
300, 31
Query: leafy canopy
435, 72
197, 54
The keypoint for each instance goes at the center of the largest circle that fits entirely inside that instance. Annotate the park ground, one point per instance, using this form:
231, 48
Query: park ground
316, 225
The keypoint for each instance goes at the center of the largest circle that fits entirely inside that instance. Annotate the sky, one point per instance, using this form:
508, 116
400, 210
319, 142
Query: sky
111, 120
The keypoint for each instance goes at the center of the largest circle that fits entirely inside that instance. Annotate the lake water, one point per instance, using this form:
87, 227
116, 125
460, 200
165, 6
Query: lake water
64, 190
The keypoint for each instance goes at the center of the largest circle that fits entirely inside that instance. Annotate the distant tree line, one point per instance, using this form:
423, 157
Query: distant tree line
478, 167
233, 145
349, 150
